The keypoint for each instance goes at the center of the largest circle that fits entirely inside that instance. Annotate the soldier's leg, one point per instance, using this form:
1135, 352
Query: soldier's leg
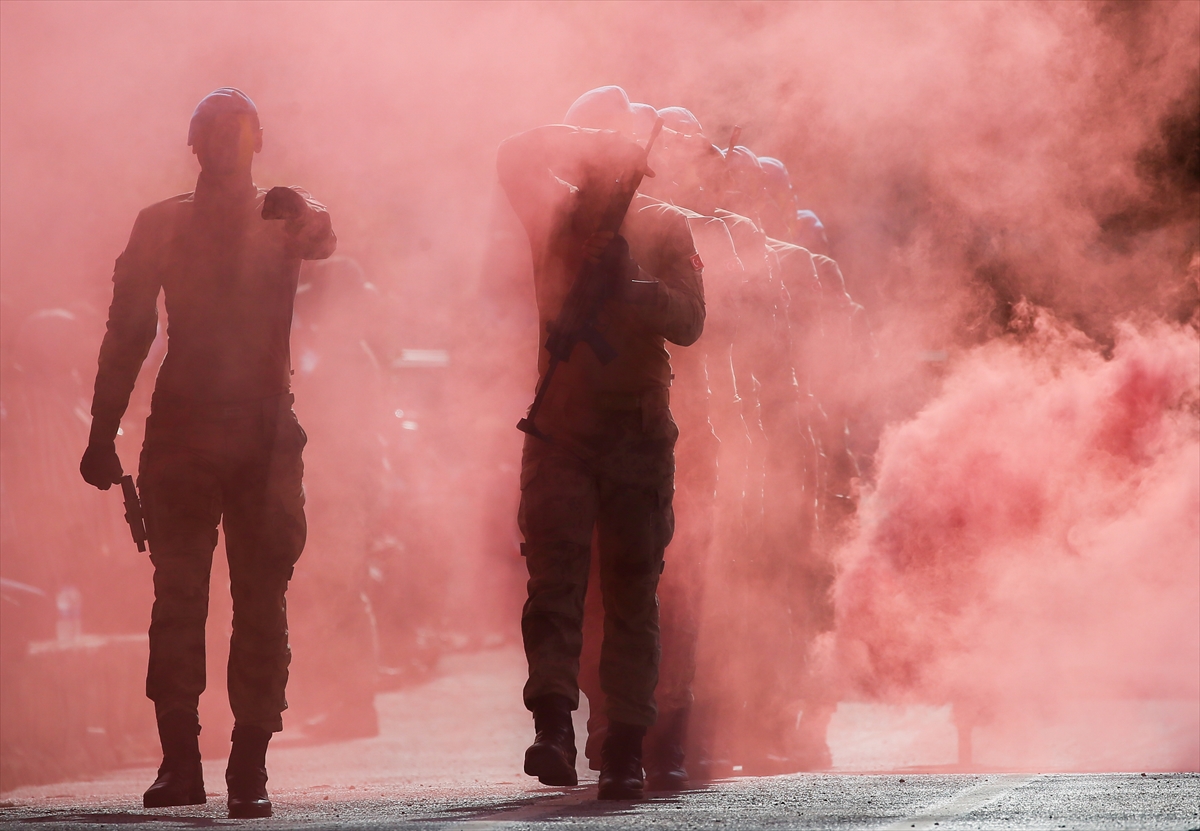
773, 702
181, 499
680, 593
265, 531
557, 515
635, 525
589, 665
818, 688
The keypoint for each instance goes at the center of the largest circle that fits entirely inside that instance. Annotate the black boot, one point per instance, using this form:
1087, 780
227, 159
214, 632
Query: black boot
180, 777
664, 756
246, 775
551, 757
621, 766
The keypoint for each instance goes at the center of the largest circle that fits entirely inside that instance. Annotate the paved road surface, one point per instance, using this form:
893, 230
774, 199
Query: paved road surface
449, 754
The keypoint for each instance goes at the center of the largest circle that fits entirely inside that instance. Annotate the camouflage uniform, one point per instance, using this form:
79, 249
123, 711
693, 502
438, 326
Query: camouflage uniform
610, 467
222, 444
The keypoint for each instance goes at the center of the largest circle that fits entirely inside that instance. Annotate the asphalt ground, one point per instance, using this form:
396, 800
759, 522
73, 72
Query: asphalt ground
449, 754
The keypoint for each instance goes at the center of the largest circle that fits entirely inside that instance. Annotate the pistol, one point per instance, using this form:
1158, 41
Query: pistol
133, 512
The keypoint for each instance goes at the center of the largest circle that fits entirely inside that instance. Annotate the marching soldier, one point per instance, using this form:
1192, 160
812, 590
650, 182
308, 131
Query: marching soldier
600, 456
222, 444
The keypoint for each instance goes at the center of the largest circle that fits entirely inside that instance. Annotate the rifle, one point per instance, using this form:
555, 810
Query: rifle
576, 320
133, 512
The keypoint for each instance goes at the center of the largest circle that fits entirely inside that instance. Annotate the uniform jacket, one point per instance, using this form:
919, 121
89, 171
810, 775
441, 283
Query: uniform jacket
542, 171
229, 280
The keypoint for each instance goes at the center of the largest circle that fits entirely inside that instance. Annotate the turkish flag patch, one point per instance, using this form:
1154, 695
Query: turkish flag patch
697, 263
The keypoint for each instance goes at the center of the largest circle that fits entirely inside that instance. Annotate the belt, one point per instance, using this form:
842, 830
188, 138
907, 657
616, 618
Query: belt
165, 402
656, 398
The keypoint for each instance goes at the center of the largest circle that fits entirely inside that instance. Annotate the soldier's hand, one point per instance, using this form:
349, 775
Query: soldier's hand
101, 467
628, 282
625, 154
283, 203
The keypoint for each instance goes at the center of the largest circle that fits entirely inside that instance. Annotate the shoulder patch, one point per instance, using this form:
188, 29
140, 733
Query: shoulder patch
697, 263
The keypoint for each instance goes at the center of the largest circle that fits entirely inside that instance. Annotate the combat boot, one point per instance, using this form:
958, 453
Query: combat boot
621, 774
180, 776
551, 757
665, 756
246, 775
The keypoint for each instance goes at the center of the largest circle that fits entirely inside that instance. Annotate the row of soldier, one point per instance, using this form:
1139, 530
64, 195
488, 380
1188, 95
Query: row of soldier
765, 475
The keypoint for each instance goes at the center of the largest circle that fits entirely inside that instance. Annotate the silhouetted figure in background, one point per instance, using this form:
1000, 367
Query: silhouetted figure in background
609, 466
778, 511
222, 444
783, 218
831, 346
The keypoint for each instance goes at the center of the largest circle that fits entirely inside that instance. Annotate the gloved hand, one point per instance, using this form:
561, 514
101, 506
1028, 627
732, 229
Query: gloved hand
101, 467
621, 153
283, 203
616, 261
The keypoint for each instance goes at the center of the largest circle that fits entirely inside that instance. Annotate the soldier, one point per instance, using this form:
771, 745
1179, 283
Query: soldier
701, 373
782, 217
222, 444
608, 465
832, 343
779, 508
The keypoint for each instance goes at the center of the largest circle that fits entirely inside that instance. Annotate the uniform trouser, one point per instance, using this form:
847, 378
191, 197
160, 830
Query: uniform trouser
240, 467
623, 493
680, 589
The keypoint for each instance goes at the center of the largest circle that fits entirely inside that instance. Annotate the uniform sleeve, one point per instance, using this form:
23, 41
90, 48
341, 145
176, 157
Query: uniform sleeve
798, 271
830, 275
132, 325
312, 234
525, 165
677, 312
536, 168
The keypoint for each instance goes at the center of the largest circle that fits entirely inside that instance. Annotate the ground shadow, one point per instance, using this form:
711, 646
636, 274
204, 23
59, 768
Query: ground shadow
119, 818
571, 803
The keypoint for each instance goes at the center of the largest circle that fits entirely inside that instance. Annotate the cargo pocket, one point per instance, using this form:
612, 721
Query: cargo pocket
665, 514
529, 469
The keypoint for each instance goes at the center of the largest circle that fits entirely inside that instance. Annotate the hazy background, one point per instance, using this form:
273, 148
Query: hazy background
1005, 185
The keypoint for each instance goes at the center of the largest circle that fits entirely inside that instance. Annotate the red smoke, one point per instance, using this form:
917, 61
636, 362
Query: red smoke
1033, 538
1029, 535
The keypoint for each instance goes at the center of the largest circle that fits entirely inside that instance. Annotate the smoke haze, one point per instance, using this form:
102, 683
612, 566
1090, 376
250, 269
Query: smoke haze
1011, 190
1031, 542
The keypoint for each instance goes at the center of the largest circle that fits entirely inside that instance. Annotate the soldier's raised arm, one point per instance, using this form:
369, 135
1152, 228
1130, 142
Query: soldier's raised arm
307, 222
542, 168
677, 309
